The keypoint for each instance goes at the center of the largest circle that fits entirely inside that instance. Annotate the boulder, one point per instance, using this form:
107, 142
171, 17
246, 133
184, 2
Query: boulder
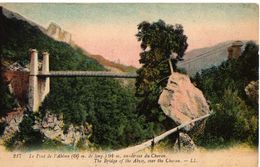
182, 101
186, 143
252, 91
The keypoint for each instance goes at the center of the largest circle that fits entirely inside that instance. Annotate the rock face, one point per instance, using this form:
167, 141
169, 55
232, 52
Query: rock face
186, 143
17, 67
182, 101
12, 121
252, 90
52, 127
58, 33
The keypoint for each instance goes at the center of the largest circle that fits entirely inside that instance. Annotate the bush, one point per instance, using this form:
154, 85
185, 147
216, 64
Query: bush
233, 121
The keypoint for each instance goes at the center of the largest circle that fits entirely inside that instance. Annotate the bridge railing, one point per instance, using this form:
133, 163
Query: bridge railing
87, 74
155, 140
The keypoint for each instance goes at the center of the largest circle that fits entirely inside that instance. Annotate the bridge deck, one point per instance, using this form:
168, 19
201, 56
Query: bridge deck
87, 74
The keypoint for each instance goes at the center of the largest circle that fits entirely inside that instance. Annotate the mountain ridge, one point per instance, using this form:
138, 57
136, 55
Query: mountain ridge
206, 57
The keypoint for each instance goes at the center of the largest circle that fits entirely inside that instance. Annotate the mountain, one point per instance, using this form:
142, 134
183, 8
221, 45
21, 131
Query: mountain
203, 58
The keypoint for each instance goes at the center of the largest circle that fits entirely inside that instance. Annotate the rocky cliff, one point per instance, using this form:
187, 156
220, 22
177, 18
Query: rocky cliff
57, 33
17, 82
52, 127
11, 122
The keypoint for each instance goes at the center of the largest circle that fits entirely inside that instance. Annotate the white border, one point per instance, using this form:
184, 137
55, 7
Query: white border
131, 1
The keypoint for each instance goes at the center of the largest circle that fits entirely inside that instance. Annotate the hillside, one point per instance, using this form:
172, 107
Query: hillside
109, 65
203, 58
105, 108
112, 66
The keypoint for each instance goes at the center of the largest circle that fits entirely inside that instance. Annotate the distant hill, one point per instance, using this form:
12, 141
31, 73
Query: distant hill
203, 58
111, 66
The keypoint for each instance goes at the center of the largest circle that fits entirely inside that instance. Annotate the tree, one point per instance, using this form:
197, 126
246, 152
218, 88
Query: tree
159, 43
248, 62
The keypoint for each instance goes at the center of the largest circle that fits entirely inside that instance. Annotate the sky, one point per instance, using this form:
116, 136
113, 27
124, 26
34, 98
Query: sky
109, 29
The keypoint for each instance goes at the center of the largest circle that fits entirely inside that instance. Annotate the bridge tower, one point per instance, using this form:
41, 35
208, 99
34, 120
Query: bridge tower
234, 51
39, 87
33, 81
44, 82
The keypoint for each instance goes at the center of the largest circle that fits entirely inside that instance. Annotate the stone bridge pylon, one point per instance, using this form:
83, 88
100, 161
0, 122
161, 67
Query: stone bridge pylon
39, 87
39, 80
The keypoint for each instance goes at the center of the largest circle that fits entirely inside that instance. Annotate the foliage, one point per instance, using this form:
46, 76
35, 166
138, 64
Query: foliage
159, 42
109, 108
236, 117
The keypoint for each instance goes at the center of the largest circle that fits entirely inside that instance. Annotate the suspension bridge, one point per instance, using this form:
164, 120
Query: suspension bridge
39, 87
39, 80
